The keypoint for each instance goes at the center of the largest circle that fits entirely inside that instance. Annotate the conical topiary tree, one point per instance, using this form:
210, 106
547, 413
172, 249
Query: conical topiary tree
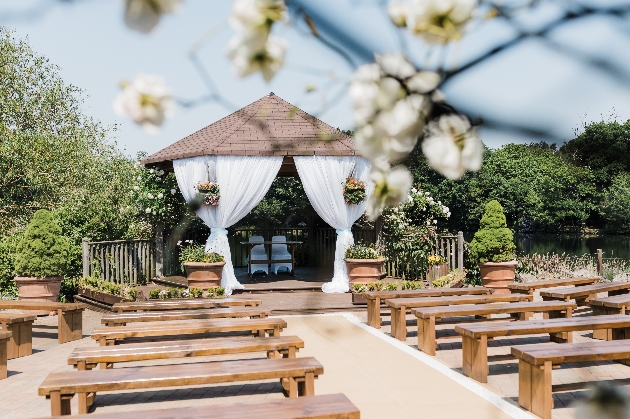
42, 251
493, 242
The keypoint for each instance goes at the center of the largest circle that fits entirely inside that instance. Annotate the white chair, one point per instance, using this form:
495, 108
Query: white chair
258, 252
279, 252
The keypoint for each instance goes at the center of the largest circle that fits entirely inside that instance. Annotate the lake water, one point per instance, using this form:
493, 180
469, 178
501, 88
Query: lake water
613, 246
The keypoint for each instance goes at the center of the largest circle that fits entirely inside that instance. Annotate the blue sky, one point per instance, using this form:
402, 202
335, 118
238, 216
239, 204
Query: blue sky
532, 84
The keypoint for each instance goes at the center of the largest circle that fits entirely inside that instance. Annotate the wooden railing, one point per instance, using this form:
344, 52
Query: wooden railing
120, 261
451, 248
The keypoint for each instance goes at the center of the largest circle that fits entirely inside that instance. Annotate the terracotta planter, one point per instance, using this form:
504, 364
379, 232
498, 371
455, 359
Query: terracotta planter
365, 270
436, 271
32, 288
204, 275
498, 275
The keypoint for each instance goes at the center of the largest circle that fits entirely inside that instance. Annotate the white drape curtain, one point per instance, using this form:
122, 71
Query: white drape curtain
243, 183
323, 178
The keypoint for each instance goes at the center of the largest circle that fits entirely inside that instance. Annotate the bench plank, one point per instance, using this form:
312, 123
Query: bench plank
121, 319
110, 335
617, 304
536, 362
21, 327
61, 386
184, 304
583, 294
531, 287
4, 340
375, 298
427, 316
329, 406
475, 336
70, 316
400, 306
87, 358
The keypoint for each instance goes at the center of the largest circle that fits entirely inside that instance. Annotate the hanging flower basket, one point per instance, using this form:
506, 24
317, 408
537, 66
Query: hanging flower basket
209, 193
354, 191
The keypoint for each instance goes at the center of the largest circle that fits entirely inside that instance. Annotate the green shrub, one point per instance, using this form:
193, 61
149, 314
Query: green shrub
493, 242
197, 253
442, 281
412, 285
154, 293
218, 292
358, 288
69, 288
8, 288
42, 251
97, 284
196, 292
362, 251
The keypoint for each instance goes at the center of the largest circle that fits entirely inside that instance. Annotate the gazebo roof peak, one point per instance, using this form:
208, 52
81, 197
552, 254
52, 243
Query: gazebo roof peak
269, 126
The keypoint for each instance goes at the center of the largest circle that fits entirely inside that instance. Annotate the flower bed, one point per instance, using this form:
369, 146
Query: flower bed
104, 291
188, 293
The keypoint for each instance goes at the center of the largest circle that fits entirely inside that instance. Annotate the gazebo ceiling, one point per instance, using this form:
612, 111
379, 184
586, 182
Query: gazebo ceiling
268, 127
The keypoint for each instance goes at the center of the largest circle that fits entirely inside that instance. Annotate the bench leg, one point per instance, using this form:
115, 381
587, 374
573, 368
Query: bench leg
293, 388
399, 323
541, 396
307, 387
59, 405
374, 313
475, 358
426, 335
70, 325
560, 337
3, 359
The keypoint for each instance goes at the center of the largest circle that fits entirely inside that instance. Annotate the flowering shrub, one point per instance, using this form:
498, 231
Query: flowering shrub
197, 253
209, 193
374, 286
362, 251
354, 191
435, 260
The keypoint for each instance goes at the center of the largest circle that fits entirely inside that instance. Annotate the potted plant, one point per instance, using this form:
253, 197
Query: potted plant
40, 259
203, 270
437, 267
364, 265
493, 247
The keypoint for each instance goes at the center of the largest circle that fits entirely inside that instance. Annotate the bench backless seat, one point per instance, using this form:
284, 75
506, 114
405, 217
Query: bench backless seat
536, 362
181, 304
617, 304
4, 340
21, 327
400, 306
70, 316
427, 316
531, 287
121, 319
87, 358
112, 335
584, 294
375, 298
60, 387
329, 406
475, 336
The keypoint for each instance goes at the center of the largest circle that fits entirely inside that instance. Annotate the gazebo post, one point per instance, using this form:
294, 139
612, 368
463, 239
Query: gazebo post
310, 216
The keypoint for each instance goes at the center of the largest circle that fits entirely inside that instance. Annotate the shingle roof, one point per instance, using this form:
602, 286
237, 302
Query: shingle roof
268, 127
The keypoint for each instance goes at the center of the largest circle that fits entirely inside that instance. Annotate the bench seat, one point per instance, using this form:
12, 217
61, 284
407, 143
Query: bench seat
427, 316
21, 327
4, 340
584, 294
60, 387
536, 363
375, 298
475, 336
617, 304
183, 304
400, 306
121, 319
531, 287
87, 358
329, 406
70, 316
112, 335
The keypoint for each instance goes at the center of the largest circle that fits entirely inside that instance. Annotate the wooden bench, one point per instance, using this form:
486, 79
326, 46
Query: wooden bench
329, 406
276, 346
4, 341
400, 306
475, 336
21, 327
70, 315
107, 336
584, 294
121, 319
427, 316
374, 299
617, 304
536, 362
60, 387
181, 304
531, 287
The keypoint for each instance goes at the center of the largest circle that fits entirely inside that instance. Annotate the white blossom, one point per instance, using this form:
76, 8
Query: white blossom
256, 15
146, 100
173, 191
179, 242
151, 170
139, 177
161, 173
148, 210
397, 11
439, 21
390, 189
250, 54
150, 195
153, 213
160, 195
136, 188
452, 146
144, 15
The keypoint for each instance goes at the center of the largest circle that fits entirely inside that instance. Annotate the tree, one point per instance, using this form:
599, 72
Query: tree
615, 205
493, 242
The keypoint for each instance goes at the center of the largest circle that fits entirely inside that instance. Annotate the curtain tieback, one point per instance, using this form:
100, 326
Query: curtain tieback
219, 231
343, 230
